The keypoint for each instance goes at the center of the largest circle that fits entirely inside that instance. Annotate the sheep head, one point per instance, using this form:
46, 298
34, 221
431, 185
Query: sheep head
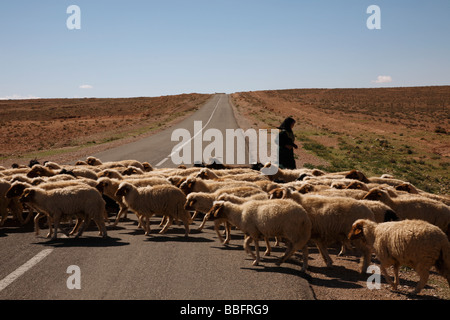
190, 202
92, 161
39, 171
355, 185
306, 188
406, 187
278, 193
357, 175
188, 185
147, 166
357, 230
123, 190
16, 190
203, 174
374, 194
216, 210
129, 171
28, 195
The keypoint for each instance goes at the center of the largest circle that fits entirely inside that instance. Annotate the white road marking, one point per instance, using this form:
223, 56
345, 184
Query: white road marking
180, 147
24, 268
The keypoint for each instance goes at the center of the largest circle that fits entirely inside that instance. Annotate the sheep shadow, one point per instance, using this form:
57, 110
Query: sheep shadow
176, 235
93, 242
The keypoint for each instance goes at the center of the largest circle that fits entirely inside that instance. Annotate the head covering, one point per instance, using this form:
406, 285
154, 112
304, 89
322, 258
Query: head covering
287, 123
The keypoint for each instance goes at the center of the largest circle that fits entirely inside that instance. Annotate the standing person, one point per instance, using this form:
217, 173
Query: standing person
286, 144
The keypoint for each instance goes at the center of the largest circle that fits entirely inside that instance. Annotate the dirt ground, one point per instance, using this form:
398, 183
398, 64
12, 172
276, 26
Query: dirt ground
343, 280
58, 129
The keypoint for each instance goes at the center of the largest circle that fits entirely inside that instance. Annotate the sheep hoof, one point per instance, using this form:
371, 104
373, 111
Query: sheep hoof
255, 263
267, 253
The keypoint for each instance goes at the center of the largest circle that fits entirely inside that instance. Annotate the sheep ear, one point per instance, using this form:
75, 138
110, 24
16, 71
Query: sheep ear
218, 210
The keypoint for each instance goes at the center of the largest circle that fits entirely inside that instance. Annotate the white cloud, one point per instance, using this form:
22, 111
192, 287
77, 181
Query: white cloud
86, 86
383, 79
18, 97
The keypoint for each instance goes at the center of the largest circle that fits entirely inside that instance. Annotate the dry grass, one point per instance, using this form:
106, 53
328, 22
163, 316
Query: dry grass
401, 131
44, 127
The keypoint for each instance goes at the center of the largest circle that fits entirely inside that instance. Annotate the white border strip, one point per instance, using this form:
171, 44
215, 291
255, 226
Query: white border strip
24, 268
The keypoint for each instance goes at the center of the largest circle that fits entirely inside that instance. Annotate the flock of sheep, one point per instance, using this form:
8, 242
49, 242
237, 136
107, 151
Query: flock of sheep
391, 218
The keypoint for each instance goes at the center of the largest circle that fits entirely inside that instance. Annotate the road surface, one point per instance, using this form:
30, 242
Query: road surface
129, 265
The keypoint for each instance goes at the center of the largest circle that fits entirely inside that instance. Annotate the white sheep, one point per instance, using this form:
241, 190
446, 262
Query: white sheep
268, 218
408, 187
435, 212
93, 161
414, 243
287, 175
331, 218
83, 201
165, 200
198, 185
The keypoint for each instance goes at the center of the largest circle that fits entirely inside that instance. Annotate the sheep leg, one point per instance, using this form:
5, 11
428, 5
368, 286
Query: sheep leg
324, 253
163, 221
123, 210
147, 225
36, 222
228, 233
101, 228
386, 275
216, 228
205, 218
194, 215
83, 227
305, 254
186, 223
167, 225
56, 219
396, 277
290, 249
77, 226
247, 242
268, 249
256, 262
424, 273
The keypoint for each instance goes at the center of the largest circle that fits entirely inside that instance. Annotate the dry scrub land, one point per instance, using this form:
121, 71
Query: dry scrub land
53, 129
400, 131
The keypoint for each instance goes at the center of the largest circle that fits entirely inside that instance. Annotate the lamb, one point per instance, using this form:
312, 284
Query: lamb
268, 218
82, 201
331, 218
414, 243
165, 200
432, 211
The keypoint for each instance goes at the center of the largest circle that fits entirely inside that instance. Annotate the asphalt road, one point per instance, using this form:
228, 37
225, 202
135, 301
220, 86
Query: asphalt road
129, 265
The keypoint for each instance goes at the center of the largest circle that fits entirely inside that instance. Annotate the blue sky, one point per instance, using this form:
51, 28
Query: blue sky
152, 48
